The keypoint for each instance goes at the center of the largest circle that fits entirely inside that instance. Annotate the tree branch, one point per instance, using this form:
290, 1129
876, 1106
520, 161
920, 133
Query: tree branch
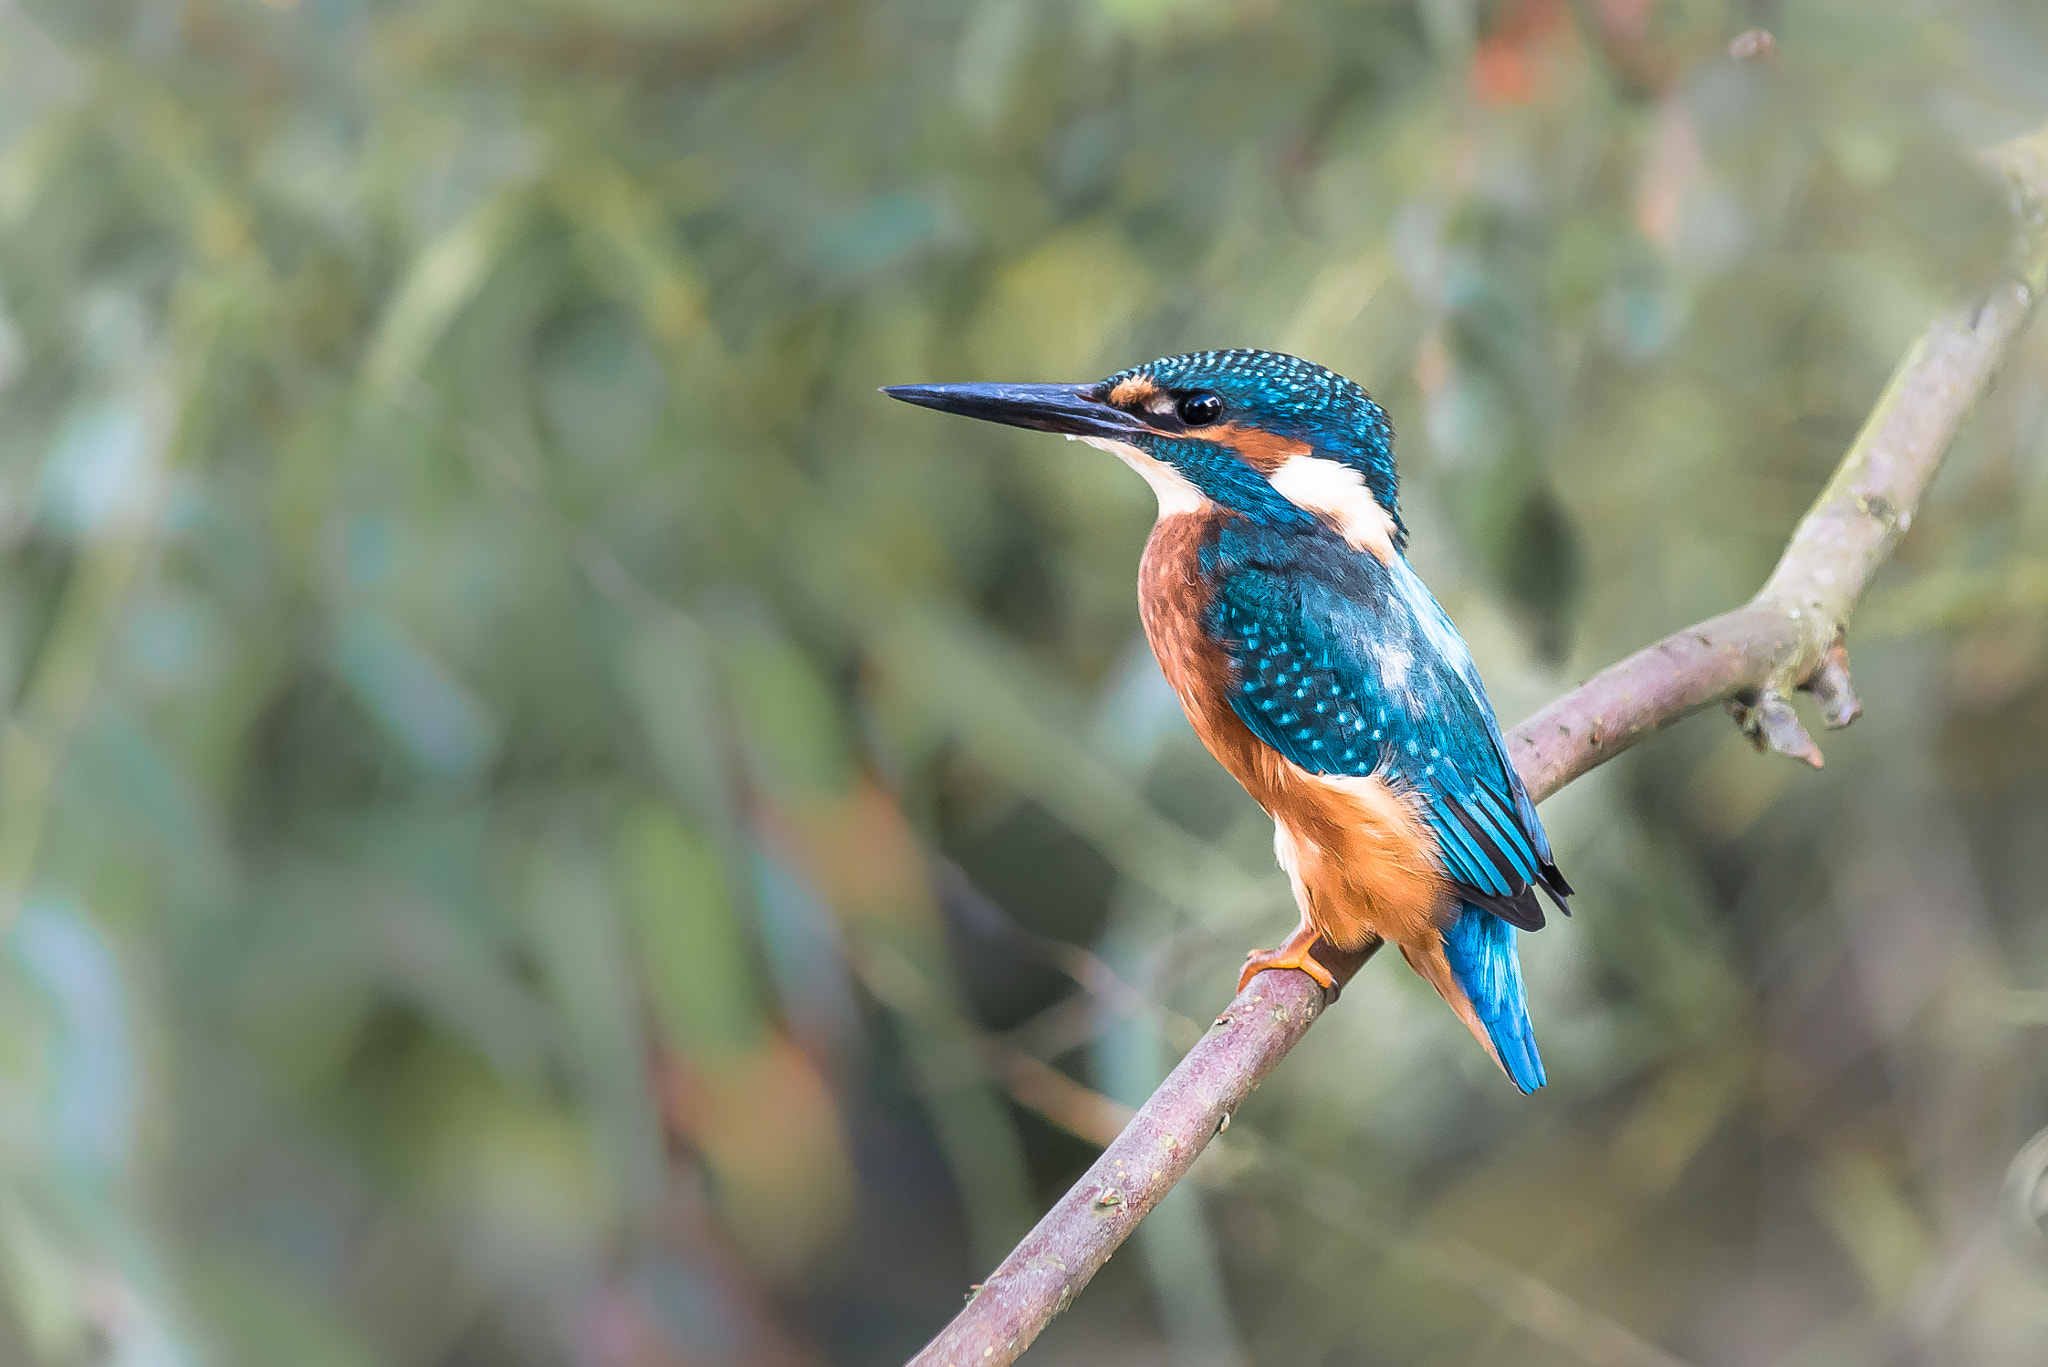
1790, 636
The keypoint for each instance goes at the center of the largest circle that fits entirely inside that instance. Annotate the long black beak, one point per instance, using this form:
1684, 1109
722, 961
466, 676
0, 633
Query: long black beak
1071, 409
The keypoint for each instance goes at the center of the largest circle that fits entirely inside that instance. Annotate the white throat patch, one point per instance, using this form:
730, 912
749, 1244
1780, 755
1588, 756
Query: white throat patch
1337, 493
1175, 494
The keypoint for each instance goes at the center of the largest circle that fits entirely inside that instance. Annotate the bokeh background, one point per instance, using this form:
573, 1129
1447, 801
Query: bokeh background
543, 822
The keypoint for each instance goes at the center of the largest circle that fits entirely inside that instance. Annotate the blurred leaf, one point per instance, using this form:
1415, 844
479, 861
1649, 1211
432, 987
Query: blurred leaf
436, 720
584, 955
670, 677
787, 718
1062, 310
445, 276
81, 1269
771, 1135
262, 1317
695, 962
1877, 1229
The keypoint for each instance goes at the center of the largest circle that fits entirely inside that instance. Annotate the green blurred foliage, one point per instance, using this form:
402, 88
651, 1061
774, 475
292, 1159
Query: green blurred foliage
543, 822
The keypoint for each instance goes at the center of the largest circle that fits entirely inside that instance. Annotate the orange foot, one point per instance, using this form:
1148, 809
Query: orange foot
1293, 952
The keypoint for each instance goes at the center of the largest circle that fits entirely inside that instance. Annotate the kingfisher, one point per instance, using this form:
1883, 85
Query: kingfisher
1317, 668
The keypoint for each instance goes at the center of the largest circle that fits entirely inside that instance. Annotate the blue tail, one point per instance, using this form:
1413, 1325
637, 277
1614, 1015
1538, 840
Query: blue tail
1481, 951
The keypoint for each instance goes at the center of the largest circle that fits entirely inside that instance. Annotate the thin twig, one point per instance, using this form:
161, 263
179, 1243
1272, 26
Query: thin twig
1102, 988
1789, 637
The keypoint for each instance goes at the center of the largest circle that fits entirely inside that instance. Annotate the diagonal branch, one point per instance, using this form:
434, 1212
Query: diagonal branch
1789, 637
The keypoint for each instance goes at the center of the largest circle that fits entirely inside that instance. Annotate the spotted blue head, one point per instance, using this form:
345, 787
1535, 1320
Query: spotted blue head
1272, 438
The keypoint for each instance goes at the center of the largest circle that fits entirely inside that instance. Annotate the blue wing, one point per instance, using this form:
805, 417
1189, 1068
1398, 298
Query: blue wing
1348, 666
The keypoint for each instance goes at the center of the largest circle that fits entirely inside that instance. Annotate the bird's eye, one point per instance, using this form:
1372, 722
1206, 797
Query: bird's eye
1199, 409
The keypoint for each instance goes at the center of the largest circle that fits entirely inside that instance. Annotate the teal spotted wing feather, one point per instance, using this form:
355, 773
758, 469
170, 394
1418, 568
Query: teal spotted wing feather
1359, 678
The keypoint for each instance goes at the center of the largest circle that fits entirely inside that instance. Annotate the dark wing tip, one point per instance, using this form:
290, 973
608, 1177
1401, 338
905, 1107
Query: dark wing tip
1556, 887
1521, 911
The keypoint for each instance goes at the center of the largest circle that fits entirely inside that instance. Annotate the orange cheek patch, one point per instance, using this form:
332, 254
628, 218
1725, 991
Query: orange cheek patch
1136, 392
1263, 451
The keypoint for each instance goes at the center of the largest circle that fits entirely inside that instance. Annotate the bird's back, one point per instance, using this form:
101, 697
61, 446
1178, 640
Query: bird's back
1331, 684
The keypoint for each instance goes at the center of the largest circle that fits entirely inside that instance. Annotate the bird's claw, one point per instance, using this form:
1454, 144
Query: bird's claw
1293, 954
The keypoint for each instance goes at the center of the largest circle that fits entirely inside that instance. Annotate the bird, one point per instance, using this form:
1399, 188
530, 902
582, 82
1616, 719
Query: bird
1317, 668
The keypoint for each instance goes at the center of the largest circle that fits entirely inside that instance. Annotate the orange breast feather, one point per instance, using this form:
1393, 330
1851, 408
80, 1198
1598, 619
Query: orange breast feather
1361, 860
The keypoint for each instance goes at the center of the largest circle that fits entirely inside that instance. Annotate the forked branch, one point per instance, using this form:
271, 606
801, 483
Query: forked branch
1791, 636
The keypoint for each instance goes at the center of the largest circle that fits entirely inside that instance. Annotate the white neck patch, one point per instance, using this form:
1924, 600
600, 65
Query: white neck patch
1337, 493
1175, 494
